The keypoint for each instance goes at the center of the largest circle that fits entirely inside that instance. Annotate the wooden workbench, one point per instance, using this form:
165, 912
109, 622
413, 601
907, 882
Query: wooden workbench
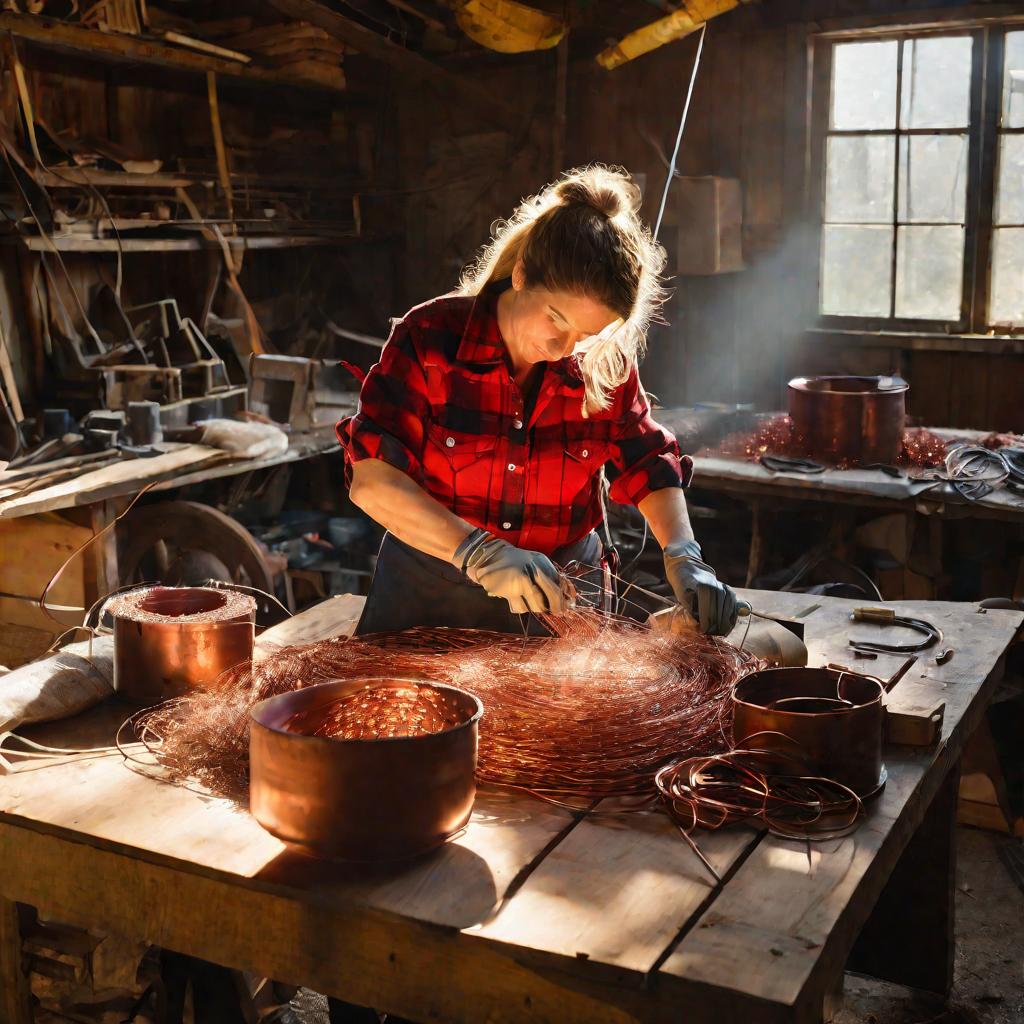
534, 913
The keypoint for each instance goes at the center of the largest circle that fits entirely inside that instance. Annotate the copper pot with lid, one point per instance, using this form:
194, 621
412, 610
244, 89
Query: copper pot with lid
849, 420
385, 798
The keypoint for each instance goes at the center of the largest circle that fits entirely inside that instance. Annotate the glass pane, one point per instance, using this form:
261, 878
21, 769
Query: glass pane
1013, 81
1010, 187
856, 270
1007, 305
859, 179
933, 178
929, 272
864, 85
936, 89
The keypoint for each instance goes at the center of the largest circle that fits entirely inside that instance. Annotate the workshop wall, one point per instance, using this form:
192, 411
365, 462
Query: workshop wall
738, 337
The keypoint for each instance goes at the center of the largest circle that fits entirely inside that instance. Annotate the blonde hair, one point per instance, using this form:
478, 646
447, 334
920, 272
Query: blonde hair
583, 234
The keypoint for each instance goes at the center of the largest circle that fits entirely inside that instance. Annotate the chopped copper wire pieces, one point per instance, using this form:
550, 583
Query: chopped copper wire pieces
591, 712
751, 785
922, 449
376, 713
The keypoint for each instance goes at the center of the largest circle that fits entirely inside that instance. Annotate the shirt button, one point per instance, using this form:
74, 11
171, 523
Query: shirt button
511, 467
585, 453
450, 442
506, 526
518, 424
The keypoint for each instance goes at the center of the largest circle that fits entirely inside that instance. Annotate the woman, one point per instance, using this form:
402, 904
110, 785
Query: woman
482, 433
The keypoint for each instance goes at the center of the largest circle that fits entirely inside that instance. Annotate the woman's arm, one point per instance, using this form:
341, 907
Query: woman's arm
401, 506
666, 514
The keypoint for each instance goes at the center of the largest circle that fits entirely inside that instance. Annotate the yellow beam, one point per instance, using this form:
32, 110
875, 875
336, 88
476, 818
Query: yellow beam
676, 25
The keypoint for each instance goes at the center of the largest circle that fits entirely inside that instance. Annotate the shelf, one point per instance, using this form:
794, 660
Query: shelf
78, 243
116, 46
75, 177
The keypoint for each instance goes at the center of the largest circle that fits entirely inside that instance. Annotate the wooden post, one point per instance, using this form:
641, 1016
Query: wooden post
101, 571
909, 937
15, 994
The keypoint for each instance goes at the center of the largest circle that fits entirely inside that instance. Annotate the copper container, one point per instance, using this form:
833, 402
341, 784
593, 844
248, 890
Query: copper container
169, 641
832, 720
363, 799
849, 420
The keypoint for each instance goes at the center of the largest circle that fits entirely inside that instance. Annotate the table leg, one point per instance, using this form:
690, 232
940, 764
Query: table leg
909, 938
15, 996
755, 556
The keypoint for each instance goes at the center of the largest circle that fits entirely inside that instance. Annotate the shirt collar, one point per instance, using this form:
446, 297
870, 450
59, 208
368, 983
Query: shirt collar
482, 341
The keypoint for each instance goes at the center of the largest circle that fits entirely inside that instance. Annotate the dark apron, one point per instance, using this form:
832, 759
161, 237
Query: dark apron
410, 588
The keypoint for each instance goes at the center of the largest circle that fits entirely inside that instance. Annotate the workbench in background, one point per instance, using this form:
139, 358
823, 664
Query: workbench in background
533, 913
40, 530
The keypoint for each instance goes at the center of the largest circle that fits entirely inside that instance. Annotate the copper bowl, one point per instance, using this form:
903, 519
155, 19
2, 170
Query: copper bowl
849, 420
170, 641
832, 721
361, 799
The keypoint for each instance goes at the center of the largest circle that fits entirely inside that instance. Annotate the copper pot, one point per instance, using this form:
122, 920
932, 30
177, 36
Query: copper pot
849, 420
169, 641
833, 721
362, 799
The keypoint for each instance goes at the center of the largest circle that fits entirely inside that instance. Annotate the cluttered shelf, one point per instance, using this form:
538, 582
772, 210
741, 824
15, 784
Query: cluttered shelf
119, 47
84, 243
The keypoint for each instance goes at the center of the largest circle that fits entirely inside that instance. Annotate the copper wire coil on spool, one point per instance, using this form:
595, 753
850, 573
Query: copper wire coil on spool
833, 720
364, 769
170, 641
849, 420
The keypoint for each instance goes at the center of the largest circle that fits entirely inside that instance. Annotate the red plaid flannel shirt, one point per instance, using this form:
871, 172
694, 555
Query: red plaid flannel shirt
441, 406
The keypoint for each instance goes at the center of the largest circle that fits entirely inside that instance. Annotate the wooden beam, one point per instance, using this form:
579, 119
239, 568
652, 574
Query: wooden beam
404, 61
134, 49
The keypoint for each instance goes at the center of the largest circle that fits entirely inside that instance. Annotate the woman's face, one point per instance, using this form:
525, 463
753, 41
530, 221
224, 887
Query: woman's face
544, 326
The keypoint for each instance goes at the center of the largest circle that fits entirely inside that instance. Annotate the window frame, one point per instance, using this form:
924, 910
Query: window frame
983, 140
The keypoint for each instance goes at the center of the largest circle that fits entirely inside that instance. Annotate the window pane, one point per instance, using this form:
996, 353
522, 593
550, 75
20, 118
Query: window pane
856, 270
933, 178
936, 90
859, 179
929, 272
864, 85
1007, 276
1013, 81
1010, 187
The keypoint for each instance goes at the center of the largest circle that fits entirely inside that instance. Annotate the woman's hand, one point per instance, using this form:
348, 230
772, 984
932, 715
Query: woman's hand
699, 590
528, 580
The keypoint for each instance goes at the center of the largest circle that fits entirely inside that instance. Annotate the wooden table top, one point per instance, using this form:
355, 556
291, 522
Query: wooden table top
533, 913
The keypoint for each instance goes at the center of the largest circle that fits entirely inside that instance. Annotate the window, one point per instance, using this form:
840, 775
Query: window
921, 143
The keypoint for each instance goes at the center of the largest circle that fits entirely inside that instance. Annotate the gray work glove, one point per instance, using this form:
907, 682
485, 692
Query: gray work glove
528, 580
699, 590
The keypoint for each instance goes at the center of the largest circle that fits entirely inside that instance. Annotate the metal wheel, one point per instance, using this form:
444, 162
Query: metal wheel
185, 543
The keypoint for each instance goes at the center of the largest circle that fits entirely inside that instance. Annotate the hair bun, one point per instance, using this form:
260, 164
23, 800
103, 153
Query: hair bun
608, 190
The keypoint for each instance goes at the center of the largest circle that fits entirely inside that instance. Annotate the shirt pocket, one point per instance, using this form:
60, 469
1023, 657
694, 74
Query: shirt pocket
459, 467
581, 464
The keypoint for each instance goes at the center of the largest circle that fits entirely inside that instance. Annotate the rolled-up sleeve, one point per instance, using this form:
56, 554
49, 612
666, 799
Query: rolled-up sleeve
646, 455
390, 421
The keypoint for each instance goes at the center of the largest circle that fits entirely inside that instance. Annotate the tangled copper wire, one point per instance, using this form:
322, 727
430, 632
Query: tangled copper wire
591, 712
751, 785
922, 449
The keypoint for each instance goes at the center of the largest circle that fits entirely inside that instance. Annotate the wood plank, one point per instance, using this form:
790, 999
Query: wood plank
104, 802
110, 480
117, 46
15, 994
909, 938
780, 930
80, 243
616, 891
484, 103
373, 959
